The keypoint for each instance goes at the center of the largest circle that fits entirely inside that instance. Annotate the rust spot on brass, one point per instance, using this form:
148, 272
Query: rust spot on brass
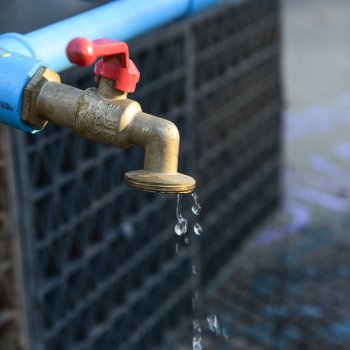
106, 115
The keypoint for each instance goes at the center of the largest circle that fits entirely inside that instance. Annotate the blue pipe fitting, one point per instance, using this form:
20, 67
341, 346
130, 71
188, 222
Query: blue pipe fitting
15, 72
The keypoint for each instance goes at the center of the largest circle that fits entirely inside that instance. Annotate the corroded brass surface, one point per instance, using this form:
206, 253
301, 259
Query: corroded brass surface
108, 116
31, 92
160, 182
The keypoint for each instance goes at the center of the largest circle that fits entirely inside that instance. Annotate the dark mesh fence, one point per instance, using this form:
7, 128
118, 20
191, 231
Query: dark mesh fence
99, 265
238, 119
9, 316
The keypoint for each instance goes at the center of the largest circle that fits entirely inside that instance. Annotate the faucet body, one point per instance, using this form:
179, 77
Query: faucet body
116, 121
106, 115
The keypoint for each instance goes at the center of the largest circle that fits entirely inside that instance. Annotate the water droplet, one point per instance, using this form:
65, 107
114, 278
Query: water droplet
197, 335
181, 226
213, 324
196, 208
178, 207
187, 240
178, 230
194, 269
224, 334
177, 248
197, 343
197, 228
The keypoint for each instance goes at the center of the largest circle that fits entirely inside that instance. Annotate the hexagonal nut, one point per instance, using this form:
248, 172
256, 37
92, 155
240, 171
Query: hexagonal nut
31, 92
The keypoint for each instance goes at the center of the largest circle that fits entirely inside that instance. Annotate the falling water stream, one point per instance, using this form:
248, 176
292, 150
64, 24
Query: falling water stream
181, 226
181, 229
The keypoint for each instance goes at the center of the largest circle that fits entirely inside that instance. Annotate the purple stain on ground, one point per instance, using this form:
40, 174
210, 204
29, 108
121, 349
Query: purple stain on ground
337, 187
300, 217
320, 163
321, 199
343, 100
318, 118
318, 110
302, 125
342, 150
315, 119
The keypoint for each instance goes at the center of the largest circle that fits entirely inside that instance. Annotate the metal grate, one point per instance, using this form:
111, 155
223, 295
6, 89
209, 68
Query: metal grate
238, 117
99, 264
9, 316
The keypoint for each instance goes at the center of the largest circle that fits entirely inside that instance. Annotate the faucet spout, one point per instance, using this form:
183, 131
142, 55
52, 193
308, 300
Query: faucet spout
161, 140
110, 117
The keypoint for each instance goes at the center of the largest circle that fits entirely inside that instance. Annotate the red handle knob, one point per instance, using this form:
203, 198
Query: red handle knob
115, 64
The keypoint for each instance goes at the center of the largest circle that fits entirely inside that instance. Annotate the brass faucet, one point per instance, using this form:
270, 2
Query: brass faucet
106, 115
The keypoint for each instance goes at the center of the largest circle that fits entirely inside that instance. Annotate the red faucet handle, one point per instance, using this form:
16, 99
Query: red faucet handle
115, 63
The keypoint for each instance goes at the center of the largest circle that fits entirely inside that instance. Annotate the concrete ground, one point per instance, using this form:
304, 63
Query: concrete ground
316, 68
316, 50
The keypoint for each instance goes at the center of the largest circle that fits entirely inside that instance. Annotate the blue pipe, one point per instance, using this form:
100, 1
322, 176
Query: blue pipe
22, 55
121, 20
15, 72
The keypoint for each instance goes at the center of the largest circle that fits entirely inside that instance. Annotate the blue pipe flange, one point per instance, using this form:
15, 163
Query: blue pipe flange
15, 72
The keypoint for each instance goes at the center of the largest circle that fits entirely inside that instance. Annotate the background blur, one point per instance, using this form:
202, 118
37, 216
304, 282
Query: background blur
86, 263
